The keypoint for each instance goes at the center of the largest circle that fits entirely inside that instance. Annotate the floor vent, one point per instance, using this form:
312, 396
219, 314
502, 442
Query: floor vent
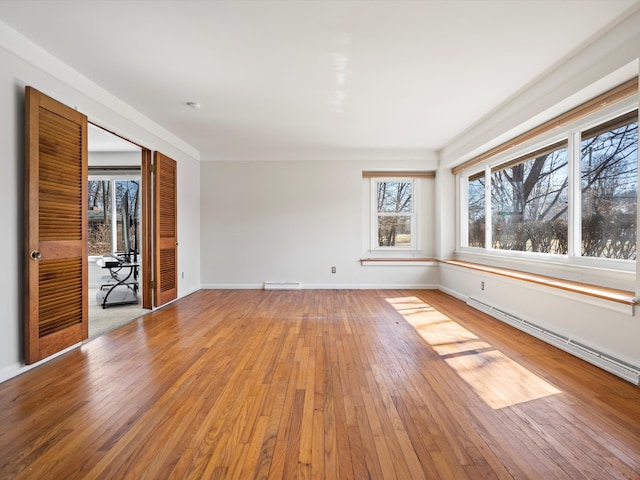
613, 365
282, 285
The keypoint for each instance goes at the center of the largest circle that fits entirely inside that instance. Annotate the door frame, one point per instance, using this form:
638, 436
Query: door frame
146, 244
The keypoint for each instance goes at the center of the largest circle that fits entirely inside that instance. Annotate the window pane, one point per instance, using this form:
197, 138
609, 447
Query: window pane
127, 206
394, 231
476, 212
99, 217
609, 165
529, 202
394, 197
102, 195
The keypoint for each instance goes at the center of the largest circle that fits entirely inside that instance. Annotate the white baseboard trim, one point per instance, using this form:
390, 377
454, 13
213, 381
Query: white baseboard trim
326, 286
372, 286
19, 368
454, 293
232, 286
189, 292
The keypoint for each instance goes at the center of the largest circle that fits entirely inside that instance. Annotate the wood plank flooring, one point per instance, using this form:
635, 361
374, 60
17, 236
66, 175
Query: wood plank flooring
334, 384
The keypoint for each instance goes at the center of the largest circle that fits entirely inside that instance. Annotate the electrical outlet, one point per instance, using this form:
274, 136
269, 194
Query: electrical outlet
481, 285
333, 269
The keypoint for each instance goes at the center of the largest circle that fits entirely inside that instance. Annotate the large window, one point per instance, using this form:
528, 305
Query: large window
476, 196
609, 187
529, 202
394, 218
575, 197
113, 201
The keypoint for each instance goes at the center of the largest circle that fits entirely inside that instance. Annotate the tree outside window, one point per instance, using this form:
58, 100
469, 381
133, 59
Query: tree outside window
395, 220
476, 225
529, 198
113, 202
99, 217
609, 186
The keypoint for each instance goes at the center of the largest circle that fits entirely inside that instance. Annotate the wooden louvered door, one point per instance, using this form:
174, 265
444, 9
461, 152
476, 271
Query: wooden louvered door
56, 226
166, 231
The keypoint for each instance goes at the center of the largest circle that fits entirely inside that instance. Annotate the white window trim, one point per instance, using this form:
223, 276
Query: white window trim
112, 179
415, 222
572, 132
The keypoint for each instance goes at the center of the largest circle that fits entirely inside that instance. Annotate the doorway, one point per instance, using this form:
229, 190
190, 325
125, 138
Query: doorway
115, 231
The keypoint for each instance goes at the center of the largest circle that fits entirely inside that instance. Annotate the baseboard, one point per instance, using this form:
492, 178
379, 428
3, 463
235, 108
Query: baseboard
282, 285
454, 293
327, 286
232, 286
189, 292
19, 368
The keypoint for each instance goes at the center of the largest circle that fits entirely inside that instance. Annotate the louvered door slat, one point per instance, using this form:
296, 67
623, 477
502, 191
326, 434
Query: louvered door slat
167, 270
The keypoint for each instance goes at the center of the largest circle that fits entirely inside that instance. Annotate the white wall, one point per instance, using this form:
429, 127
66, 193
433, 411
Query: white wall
24, 64
292, 221
189, 237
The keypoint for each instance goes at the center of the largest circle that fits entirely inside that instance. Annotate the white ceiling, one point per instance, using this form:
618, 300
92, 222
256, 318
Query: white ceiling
313, 79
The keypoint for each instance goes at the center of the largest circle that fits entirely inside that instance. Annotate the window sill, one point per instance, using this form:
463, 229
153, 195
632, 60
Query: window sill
397, 262
614, 275
619, 296
561, 261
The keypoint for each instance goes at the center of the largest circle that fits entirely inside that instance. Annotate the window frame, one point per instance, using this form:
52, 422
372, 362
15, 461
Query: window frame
112, 178
572, 133
415, 223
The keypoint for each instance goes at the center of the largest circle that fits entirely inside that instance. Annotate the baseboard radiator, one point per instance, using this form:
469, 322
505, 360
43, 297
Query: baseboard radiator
282, 285
612, 365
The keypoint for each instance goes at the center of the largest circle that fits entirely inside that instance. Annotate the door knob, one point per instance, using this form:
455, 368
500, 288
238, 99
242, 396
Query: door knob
36, 255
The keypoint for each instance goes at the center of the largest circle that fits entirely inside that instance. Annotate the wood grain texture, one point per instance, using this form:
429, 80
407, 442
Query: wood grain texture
334, 384
165, 229
146, 230
56, 206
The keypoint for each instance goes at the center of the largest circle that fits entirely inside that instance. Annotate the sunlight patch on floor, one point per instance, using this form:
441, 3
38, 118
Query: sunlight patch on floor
498, 380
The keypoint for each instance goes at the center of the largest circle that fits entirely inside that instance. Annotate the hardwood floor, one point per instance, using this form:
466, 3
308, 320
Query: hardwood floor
318, 384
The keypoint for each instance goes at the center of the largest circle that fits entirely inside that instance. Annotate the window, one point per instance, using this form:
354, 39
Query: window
476, 197
609, 188
394, 225
399, 210
113, 202
529, 202
395, 215
575, 197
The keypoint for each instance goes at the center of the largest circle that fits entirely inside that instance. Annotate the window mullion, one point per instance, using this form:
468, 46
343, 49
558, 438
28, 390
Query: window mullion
415, 200
463, 185
114, 216
487, 208
575, 197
